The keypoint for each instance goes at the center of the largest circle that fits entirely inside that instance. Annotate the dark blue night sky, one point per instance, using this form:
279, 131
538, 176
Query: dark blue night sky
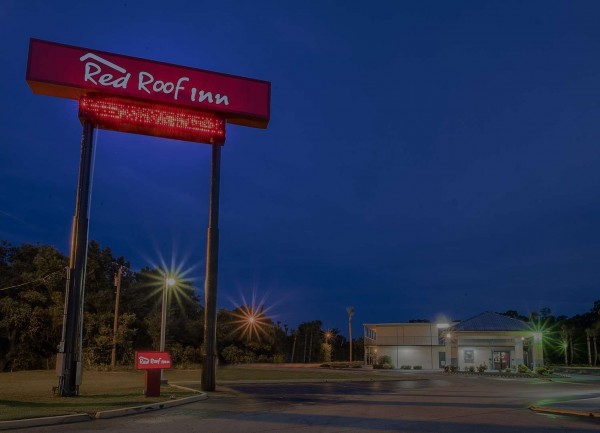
422, 158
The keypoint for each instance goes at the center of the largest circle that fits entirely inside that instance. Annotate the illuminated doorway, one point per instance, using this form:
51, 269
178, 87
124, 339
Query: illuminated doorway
501, 360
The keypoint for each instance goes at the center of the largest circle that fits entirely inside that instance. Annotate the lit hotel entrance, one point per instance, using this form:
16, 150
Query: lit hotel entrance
501, 360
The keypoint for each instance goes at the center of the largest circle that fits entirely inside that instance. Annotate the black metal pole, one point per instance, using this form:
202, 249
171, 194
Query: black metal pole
212, 268
68, 363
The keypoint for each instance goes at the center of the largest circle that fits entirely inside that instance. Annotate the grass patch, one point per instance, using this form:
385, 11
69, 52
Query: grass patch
355, 364
28, 394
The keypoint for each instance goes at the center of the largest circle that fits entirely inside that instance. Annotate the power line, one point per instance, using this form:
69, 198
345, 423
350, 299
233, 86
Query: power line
31, 282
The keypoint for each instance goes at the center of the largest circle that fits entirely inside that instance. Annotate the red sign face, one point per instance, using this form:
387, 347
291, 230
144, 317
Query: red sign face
71, 72
152, 360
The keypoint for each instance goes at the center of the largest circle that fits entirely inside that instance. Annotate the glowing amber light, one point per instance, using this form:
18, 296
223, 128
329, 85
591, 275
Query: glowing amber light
129, 115
251, 322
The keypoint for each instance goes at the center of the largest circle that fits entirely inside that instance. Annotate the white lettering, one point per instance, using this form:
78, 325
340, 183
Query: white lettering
105, 79
222, 99
179, 87
94, 73
101, 60
142, 83
121, 82
161, 86
92, 69
204, 95
158, 86
89, 74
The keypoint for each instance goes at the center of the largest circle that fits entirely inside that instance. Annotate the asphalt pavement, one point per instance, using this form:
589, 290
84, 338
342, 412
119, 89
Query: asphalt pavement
423, 403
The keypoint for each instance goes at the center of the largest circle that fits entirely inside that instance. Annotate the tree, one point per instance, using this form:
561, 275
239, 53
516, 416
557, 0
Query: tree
33, 280
595, 330
589, 333
515, 315
309, 340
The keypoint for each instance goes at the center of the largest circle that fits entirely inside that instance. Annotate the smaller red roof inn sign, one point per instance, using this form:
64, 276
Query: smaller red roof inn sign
72, 72
152, 360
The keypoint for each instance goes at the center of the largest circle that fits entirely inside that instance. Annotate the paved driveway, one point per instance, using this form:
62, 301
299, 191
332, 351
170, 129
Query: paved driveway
438, 403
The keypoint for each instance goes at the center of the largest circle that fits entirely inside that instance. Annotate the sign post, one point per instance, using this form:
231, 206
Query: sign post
69, 362
129, 94
212, 269
152, 363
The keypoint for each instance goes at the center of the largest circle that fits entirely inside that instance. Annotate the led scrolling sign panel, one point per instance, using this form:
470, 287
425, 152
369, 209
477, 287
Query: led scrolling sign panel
147, 97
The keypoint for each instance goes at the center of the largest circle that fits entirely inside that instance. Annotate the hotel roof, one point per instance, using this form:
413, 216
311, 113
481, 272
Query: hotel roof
489, 321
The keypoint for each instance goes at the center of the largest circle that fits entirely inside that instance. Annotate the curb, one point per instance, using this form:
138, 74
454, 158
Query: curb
105, 414
569, 412
45, 421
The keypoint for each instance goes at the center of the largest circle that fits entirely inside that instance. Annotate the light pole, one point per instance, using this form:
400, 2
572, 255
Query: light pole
350, 311
163, 322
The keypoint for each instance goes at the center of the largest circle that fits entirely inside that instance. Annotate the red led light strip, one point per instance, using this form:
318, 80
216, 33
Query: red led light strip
128, 115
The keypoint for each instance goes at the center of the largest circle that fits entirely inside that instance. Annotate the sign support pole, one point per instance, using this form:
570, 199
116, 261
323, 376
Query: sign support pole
69, 363
212, 267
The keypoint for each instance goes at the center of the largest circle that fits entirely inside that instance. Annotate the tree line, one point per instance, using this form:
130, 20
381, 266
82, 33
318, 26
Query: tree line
32, 291
566, 340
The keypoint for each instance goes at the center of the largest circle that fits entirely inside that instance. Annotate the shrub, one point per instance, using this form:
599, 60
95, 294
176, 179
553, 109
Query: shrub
417, 367
523, 369
383, 366
191, 355
384, 359
405, 367
235, 355
543, 371
450, 368
482, 368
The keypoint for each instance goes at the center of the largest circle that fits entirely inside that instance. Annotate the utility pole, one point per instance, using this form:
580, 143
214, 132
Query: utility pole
113, 356
350, 312
305, 338
294, 347
310, 349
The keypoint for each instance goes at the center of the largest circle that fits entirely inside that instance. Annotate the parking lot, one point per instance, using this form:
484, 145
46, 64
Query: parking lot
433, 402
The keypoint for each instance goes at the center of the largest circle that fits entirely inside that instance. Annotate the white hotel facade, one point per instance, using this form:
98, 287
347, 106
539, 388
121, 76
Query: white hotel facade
492, 339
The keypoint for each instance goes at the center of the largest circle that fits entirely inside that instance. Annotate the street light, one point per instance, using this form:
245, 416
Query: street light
169, 281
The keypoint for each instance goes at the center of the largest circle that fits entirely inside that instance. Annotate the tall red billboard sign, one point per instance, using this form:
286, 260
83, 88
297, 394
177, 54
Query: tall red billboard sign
129, 94
71, 72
